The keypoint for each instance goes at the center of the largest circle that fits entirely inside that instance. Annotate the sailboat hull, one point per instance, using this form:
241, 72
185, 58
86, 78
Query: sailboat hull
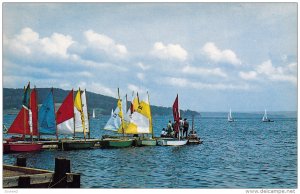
146, 142
116, 143
25, 147
75, 145
171, 142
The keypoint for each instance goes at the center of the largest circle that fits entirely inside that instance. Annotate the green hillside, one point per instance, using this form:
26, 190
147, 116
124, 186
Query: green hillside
12, 99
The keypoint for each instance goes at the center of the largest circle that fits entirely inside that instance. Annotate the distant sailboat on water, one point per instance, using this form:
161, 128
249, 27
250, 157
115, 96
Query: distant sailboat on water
229, 118
94, 116
265, 117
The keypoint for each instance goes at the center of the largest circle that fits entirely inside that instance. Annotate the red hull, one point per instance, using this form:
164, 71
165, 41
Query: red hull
6, 148
25, 147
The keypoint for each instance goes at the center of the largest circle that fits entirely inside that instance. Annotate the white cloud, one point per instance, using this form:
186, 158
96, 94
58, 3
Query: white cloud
203, 71
134, 88
104, 43
170, 51
251, 75
183, 82
97, 87
143, 66
29, 44
215, 54
141, 76
281, 73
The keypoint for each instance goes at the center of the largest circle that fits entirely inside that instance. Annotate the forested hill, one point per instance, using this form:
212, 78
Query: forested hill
12, 100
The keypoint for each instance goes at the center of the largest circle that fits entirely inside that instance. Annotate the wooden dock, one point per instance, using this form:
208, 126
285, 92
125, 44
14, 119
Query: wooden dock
20, 176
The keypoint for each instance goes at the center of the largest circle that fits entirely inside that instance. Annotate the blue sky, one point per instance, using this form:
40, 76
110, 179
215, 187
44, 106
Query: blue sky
214, 55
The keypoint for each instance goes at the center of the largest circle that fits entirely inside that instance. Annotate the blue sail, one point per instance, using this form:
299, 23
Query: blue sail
47, 124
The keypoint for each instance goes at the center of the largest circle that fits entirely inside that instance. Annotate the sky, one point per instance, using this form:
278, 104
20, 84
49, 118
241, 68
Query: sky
215, 56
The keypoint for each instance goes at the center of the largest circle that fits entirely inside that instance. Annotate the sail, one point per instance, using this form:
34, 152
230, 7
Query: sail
65, 116
80, 112
265, 117
26, 97
176, 113
20, 125
94, 116
26, 121
47, 124
140, 121
114, 121
33, 113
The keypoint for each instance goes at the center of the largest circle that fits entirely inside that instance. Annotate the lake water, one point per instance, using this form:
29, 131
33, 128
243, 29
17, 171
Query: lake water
244, 154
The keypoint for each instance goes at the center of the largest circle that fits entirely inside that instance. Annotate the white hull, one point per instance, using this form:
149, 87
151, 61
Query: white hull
171, 142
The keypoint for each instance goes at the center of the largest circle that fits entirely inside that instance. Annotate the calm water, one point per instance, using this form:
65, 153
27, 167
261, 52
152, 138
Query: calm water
243, 154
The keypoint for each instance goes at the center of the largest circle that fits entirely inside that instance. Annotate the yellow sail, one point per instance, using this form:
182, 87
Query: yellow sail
78, 105
141, 120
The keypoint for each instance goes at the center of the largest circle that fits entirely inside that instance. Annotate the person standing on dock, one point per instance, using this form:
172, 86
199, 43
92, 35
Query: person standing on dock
185, 127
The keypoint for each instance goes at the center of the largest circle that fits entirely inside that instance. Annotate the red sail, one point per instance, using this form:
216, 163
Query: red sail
34, 110
20, 124
66, 110
176, 114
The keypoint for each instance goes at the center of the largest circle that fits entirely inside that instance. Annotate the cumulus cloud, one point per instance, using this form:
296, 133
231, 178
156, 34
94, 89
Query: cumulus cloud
134, 88
211, 51
203, 71
186, 83
103, 43
169, 52
281, 73
29, 44
251, 75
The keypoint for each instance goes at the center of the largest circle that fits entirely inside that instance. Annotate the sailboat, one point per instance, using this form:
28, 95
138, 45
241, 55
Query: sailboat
176, 116
94, 116
72, 117
25, 124
141, 121
229, 117
265, 117
117, 124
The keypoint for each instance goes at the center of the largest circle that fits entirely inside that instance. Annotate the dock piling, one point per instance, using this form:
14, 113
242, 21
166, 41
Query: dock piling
21, 161
24, 182
62, 166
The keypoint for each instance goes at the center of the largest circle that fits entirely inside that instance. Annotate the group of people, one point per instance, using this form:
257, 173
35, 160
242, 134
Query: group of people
176, 129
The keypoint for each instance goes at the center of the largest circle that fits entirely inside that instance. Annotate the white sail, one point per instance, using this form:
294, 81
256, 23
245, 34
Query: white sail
94, 116
114, 121
66, 127
265, 117
229, 117
140, 121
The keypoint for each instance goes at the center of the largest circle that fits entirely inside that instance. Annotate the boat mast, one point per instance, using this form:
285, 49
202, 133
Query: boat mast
150, 120
88, 116
193, 124
56, 131
74, 114
121, 115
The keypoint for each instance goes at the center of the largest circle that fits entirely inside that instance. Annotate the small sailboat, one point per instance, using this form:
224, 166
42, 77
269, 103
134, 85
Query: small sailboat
265, 117
174, 141
140, 122
94, 116
72, 118
229, 117
116, 123
25, 124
